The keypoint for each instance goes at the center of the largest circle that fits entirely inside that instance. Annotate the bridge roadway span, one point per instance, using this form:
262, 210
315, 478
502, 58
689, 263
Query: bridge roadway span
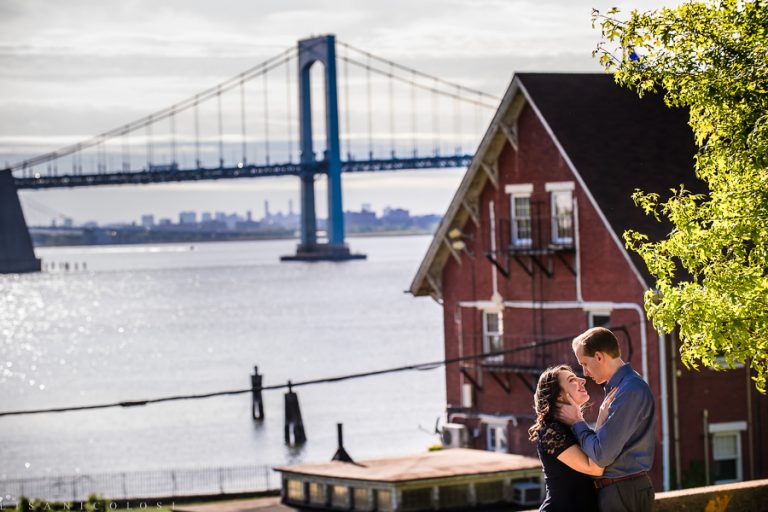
144, 177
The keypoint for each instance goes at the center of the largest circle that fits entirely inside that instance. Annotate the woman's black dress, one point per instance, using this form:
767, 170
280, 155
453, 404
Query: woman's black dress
567, 489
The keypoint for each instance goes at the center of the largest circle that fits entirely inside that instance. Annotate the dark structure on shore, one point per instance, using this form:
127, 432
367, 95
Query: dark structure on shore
16, 252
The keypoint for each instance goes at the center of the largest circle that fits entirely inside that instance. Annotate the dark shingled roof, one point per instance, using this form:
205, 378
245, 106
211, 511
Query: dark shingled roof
618, 142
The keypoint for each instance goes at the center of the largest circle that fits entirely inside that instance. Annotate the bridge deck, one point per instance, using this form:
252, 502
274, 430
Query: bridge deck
144, 177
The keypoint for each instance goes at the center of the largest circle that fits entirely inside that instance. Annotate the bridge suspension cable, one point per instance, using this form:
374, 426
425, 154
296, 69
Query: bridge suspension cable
416, 73
212, 114
391, 84
435, 122
266, 120
244, 160
221, 129
369, 98
435, 89
42, 208
159, 115
347, 110
413, 115
288, 109
417, 82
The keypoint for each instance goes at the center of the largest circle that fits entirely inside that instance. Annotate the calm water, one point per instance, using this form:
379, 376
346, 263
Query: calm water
153, 321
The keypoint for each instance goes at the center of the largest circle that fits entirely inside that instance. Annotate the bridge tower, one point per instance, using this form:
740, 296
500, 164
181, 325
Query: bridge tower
320, 49
16, 252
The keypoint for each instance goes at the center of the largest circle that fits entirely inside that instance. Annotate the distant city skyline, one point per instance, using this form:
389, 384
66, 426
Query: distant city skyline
257, 214
84, 68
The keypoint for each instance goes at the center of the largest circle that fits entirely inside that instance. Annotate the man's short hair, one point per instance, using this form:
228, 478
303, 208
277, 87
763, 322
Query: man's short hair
598, 339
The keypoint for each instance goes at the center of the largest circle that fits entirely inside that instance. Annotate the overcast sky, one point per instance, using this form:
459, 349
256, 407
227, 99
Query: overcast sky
73, 69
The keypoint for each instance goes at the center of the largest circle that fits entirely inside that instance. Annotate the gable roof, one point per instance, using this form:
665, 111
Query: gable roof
614, 140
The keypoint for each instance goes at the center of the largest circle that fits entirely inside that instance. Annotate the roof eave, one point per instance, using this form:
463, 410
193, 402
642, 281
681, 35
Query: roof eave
428, 278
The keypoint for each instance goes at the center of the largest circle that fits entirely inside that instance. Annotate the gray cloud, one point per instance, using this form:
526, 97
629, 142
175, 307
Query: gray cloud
80, 67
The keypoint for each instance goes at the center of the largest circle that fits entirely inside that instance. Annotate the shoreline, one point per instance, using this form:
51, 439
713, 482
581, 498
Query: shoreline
382, 234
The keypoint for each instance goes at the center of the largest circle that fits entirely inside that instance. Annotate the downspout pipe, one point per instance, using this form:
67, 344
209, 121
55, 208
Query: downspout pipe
664, 412
494, 273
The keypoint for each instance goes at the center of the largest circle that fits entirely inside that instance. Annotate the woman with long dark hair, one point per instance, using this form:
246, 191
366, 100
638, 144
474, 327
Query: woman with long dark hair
567, 470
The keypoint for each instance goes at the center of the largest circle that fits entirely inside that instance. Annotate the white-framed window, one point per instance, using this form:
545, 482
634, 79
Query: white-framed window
599, 319
493, 332
520, 214
496, 438
726, 451
561, 211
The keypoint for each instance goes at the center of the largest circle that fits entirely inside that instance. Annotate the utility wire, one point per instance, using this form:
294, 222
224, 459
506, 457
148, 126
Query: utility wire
419, 366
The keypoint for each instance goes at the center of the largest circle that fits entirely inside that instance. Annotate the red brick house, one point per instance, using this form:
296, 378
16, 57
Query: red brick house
530, 253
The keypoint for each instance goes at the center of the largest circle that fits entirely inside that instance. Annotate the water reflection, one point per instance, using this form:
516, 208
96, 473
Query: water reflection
143, 323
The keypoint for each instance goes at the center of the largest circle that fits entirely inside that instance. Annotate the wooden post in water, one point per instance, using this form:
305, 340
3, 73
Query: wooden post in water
257, 402
293, 418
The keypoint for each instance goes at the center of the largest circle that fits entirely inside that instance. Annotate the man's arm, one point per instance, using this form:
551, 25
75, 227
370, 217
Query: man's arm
629, 409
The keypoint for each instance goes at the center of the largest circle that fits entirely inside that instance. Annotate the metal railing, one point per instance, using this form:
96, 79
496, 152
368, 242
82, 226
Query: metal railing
165, 483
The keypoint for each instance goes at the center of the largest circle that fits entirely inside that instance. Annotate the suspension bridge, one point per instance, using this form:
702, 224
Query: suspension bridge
393, 118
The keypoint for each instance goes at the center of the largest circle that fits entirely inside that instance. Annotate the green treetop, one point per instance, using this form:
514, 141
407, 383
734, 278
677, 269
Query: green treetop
711, 271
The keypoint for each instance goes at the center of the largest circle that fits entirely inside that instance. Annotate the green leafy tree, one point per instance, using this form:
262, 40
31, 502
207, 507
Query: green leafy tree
711, 271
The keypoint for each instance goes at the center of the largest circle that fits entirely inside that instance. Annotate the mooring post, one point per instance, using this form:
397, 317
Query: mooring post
293, 418
257, 402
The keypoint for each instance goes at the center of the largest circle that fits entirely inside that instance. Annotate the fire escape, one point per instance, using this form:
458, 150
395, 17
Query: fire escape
533, 240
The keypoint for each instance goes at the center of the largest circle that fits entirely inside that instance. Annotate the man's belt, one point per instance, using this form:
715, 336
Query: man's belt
605, 482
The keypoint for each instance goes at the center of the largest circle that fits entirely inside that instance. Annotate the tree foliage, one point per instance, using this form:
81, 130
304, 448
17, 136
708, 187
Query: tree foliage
711, 271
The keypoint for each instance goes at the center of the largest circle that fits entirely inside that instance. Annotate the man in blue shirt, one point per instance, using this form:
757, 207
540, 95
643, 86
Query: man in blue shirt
623, 441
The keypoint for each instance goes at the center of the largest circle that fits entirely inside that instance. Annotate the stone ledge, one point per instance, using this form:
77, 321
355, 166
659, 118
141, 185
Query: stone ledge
748, 496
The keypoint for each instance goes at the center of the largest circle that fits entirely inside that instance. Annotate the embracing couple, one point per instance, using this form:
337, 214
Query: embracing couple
603, 468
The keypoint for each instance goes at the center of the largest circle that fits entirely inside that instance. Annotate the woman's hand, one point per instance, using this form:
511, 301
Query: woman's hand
605, 407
